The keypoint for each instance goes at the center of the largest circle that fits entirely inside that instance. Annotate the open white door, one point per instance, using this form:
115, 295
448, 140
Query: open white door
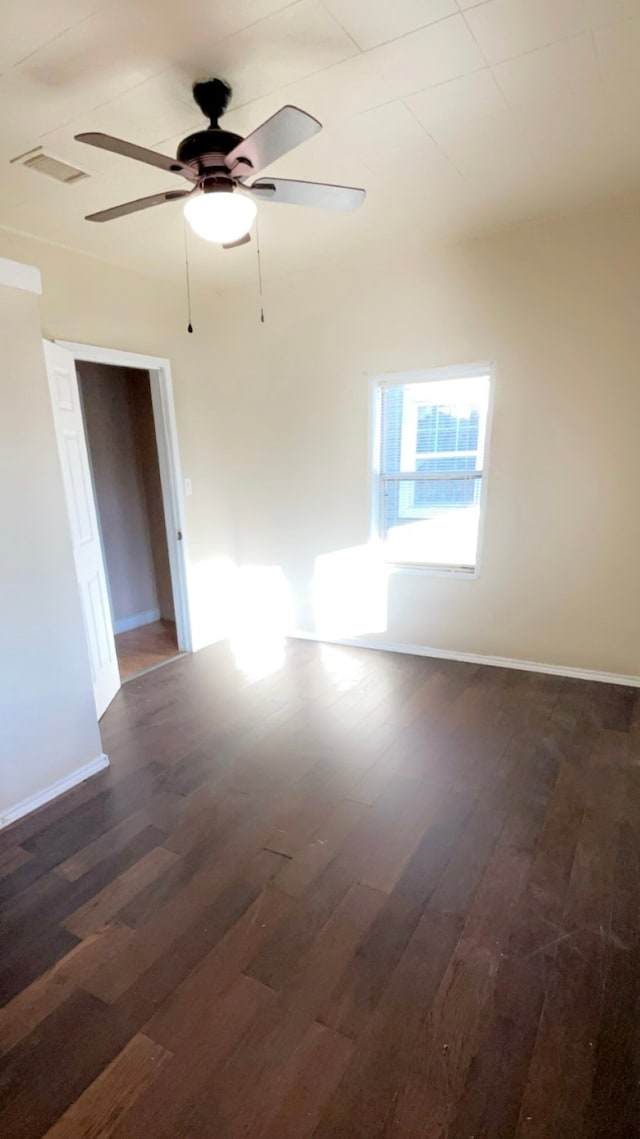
76, 474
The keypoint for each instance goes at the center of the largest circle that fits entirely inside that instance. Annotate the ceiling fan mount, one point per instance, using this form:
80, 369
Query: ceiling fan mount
206, 150
215, 160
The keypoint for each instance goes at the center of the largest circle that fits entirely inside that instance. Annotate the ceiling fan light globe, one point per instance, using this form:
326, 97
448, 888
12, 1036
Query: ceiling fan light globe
223, 216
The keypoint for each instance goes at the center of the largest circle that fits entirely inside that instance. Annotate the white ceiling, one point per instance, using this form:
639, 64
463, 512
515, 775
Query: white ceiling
455, 115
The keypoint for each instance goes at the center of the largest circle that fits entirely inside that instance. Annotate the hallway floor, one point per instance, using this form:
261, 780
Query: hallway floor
142, 648
355, 895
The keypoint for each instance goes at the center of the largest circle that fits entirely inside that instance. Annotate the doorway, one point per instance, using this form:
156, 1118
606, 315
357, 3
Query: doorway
123, 456
117, 442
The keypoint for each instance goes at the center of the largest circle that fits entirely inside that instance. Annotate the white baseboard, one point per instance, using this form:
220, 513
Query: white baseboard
136, 620
52, 792
476, 658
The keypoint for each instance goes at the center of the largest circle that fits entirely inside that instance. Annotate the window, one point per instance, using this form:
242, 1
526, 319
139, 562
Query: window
431, 434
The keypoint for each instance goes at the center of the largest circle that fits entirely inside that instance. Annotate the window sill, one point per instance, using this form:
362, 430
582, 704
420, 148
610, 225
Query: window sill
434, 571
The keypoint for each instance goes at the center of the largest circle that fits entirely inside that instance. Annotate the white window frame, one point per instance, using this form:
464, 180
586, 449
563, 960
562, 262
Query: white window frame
377, 384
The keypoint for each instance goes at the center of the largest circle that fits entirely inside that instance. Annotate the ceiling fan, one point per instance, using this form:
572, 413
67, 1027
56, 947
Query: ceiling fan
221, 204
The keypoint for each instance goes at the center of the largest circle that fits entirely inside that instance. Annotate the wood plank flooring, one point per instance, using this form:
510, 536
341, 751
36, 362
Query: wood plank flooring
144, 647
363, 895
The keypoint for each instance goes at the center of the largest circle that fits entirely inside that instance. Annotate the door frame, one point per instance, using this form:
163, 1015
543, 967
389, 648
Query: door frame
164, 417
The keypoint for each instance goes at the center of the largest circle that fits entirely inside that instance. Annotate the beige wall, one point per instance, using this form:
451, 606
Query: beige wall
120, 433
555, 306
47, 711
272, 421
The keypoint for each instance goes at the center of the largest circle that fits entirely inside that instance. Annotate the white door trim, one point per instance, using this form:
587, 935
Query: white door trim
18, 276
159, 369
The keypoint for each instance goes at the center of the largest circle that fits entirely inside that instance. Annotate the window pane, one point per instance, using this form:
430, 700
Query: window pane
468, 437
446, 429
457, 463
423, 420
434, 523
392, 413
426, 428
433, 427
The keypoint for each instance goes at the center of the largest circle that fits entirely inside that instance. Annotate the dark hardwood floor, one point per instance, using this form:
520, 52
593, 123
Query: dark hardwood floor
366, 896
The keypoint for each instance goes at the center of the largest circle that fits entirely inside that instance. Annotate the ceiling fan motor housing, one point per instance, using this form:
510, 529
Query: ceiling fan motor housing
205, 150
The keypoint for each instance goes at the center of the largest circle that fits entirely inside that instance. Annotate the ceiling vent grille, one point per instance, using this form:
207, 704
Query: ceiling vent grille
45, 163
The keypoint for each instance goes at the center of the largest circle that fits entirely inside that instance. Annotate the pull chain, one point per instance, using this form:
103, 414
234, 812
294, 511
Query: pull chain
186, 263
259, 272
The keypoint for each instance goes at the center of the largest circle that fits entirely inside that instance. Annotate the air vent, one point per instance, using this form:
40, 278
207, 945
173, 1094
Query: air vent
45, 163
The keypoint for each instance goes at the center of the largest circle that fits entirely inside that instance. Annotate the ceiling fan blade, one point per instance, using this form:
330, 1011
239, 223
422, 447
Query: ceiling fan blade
277, 136
139, 204
241, 241
319, 194
140, 153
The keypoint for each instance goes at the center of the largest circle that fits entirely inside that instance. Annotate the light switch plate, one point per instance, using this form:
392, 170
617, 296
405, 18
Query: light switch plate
187, 486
